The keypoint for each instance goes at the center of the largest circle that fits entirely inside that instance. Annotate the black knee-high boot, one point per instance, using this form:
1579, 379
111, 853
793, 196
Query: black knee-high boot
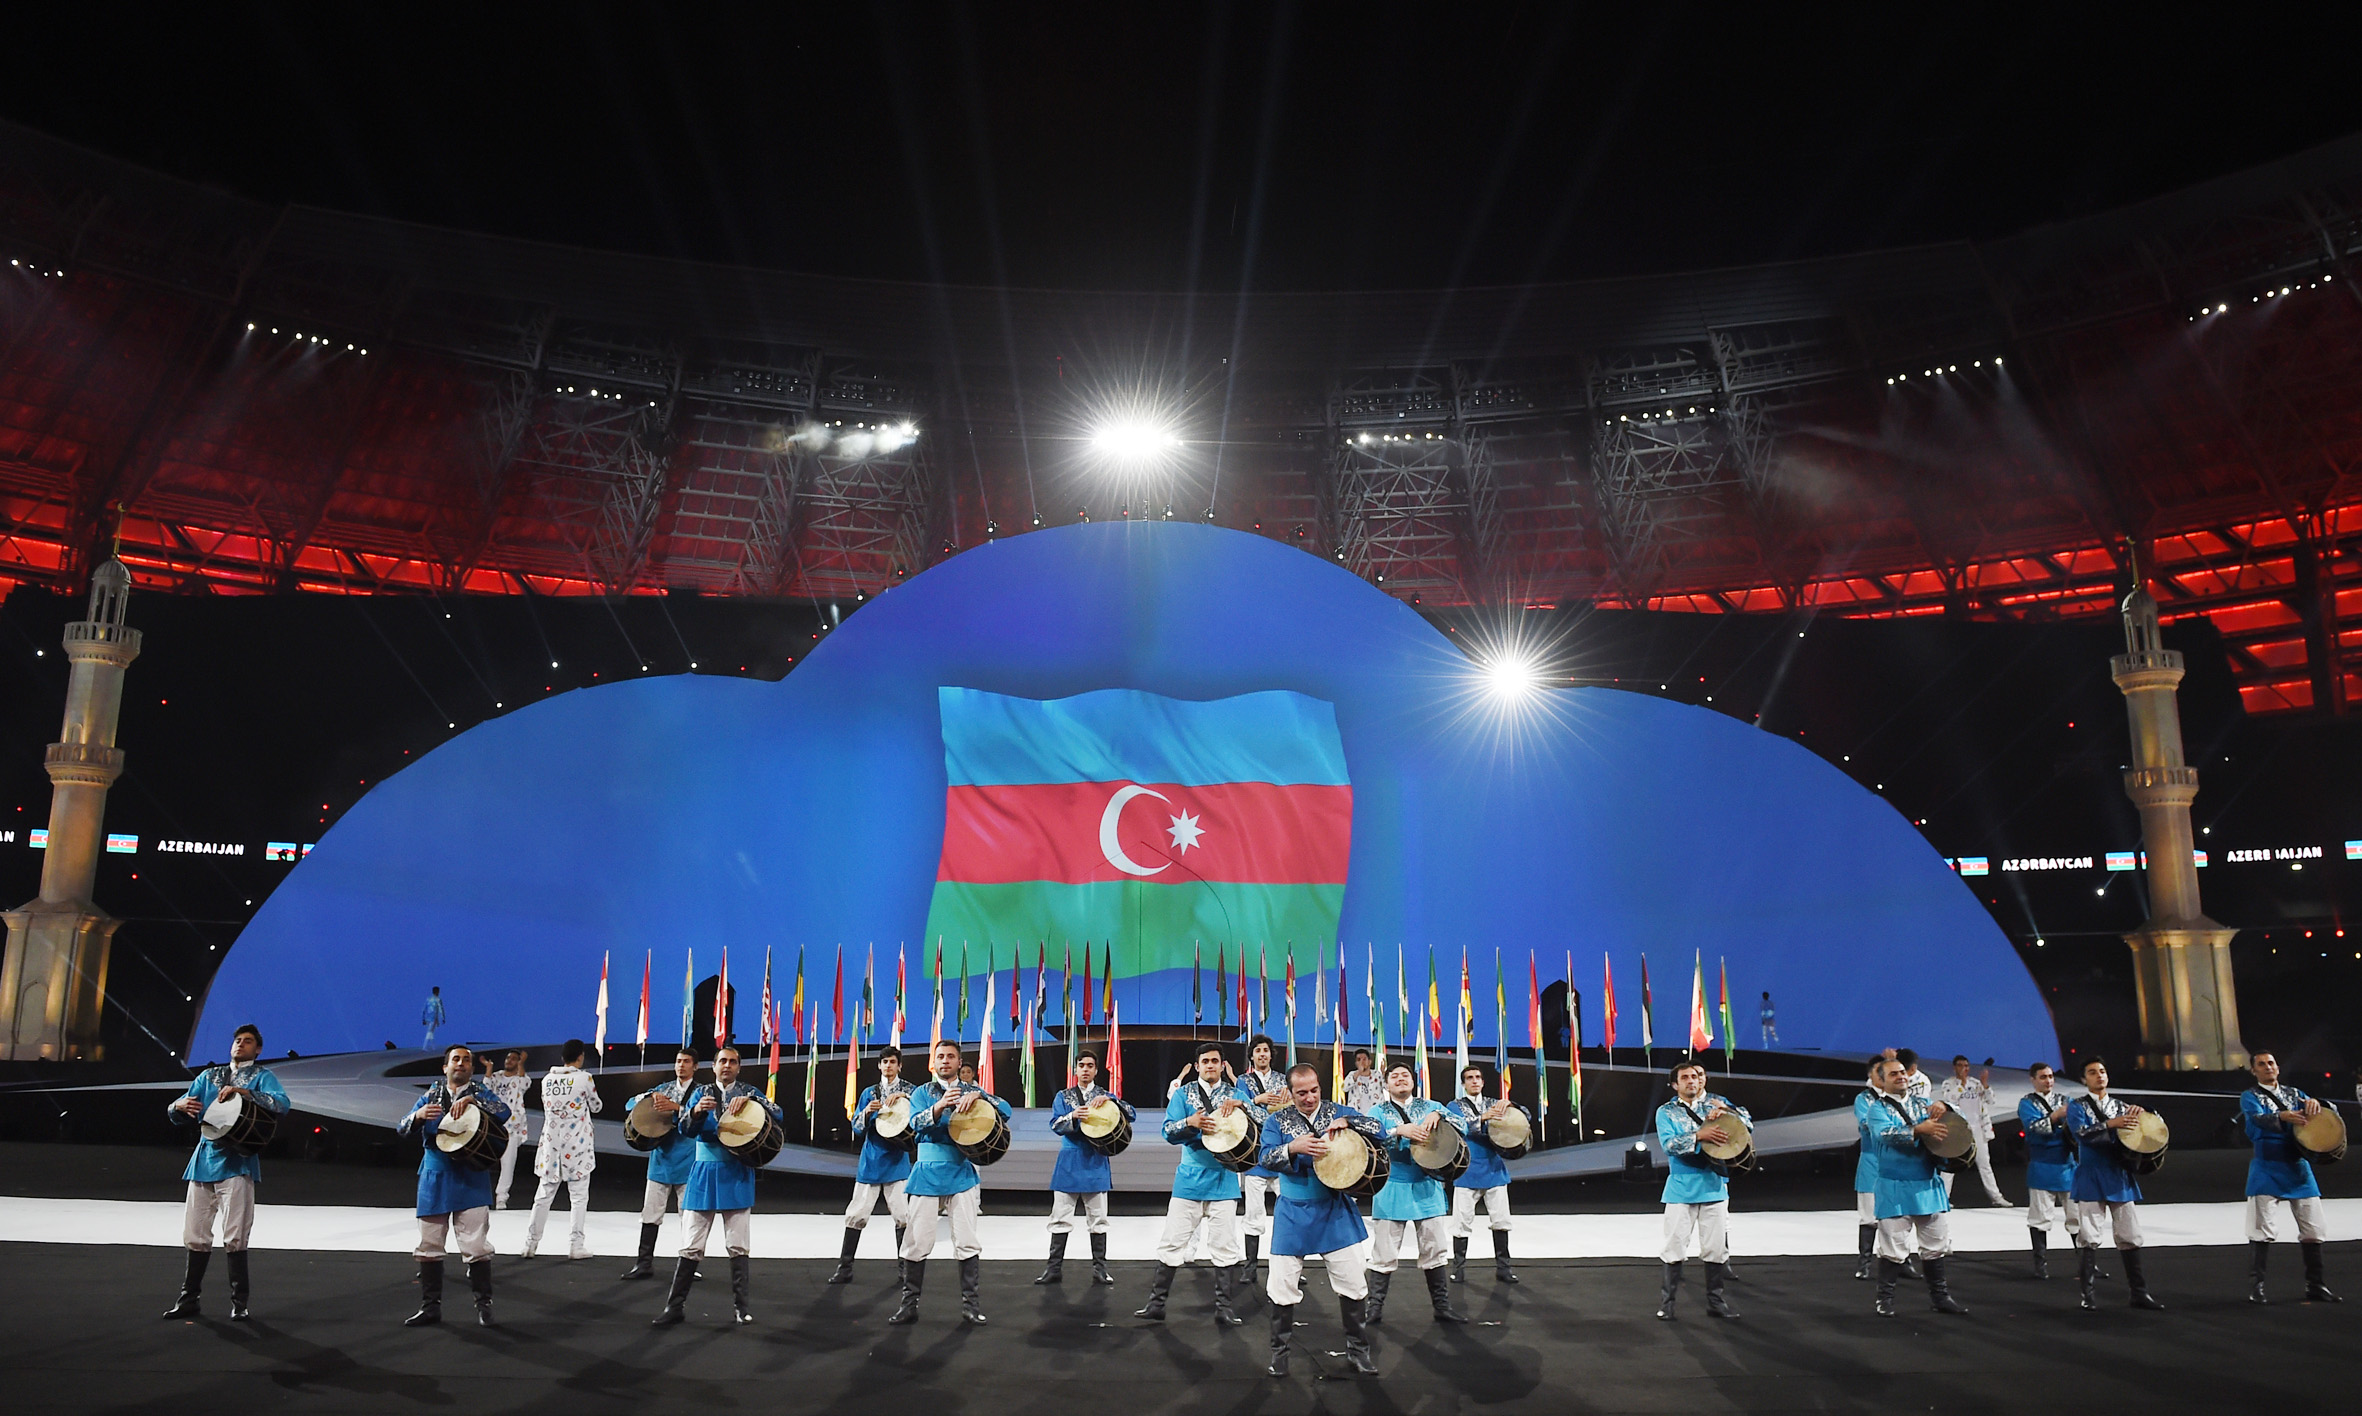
1869, 1238
238, 1287
2316, 1291
1283, 1322
971, 1272
1254, 1246
1373, 1308
644, 1262
1439, 1296
2257, 1253
1939, 1290
1459, 1260
741, 1282
2040, 1238
430, 1294
479, 1282
192, 1283
2087, 1275
1055, 1270
1224, 1314
844, 1272
1357, 1337
2138, 1282
914, 1282
1718, 1303
1158, 1292
1890, 1273
1099, 1273
1668, 1292
677, 1297
1502, 1273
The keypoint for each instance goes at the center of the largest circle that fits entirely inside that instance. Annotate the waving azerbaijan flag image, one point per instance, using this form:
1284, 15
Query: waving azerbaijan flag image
1148, 821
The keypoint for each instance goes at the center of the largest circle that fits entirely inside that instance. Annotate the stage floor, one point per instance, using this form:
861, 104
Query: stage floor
1578, 1336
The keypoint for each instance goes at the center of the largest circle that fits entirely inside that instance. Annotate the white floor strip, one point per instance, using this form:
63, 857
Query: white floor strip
1022, 1237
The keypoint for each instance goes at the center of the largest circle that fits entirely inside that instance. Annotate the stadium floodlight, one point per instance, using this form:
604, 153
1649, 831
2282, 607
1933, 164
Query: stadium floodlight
1511, 674
1134, 441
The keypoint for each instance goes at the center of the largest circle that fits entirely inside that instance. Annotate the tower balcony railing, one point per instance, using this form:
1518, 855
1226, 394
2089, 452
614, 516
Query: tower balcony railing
88, 755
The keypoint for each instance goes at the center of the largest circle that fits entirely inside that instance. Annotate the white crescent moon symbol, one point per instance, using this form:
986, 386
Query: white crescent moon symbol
1112, 848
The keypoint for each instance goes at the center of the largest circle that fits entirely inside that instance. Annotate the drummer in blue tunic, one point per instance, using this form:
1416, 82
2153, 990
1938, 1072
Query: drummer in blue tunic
1909, 1190
1312, 1219
1486, 1179
1697, 1194
1081, 1178
2279, 1174
2050, 1163
1205, 1191
882, 1170
454, 1201
222, 1180
1413, 1198
669, 1162
943, 1173
720, 1185
2104, 1187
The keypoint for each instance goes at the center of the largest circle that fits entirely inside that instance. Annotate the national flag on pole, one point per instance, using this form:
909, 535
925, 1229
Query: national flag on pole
688, 1000
770, 1028
1336, 1065
837, 995
901, 1013
1115, 1048
1222, 986
1501, 1023
808, 1025
1434, 1000
1701, 1027
1016, 991
1533, 1032
1320, 983
1648, 1006
962, 1030
1197, 979
647, 977
984, 1076
1109, 814
1344, 995
1090, 990
1107, 986
1608, 995
852, 1072
1574, 1050
1467, 1020
1041, 980
764, 1035
1290, 998
599, 1041
1263, 975
797, 1007
1246, 1005
1730, 1035
1033, 1017
1066, 1006
1424, 1029
1378, 1035
935, 1031
869, 996
722, 1001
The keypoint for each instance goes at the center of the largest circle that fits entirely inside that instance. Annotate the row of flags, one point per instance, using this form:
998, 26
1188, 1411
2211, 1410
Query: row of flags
1026, 1014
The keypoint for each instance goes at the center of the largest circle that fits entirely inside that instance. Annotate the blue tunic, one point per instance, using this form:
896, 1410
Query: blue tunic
669, 1162
444, 1185
1199, 1176
1486, 1169
942, 1169
718, 1179
880, 1163
1080, 1170
1690, 1177
2050, 1146
2279, 1167
211, 1162
1411, 1193
2099, 1171
1909, 1181
1311, 1218
1866, 1163
1252, 1084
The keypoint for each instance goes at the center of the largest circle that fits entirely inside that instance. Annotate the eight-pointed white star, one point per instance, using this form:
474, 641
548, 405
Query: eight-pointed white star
1185, 831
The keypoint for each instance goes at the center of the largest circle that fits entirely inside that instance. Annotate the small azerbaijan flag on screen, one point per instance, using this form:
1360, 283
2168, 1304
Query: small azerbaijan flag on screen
1145, 820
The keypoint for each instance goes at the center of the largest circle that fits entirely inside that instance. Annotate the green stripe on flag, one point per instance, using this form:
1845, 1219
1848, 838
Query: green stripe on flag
1152, 926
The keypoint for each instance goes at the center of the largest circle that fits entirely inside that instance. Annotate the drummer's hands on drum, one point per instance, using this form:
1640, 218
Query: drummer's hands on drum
188, 1106
705, 1104
1314, 1146
433, 1112
1713, 1135
459, 1106
665, 1105
1936, 1109
1230, 1104
2131, 1117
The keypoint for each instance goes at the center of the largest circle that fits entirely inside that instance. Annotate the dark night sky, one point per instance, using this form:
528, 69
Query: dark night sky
1333, 146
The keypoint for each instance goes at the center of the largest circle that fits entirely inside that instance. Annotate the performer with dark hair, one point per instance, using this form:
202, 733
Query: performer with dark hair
1205, 1192
720, 1186
1314, 1219
2103, 1186
1486, 1180
568, 1152
510, 1084
944, 1173
2280, 1174
454, 1202
1412, 1199
1697, 1196
1909, 1196
883, 1169
2050, 1163
221, 1178
1081, 1177
1268, 1090
1866, 1172
669, 1162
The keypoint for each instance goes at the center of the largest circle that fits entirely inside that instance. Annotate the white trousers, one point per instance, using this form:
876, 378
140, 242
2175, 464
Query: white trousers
2263, 1216
1710, 1222
233, 1200
736, 1226
1182, 1220
1434, 1239
2044, 1205
865, 1204
1064, 1207
1933, 1231
1865, 1207
508, 1167
1255, 1206
1348, 1276
655, 1197
577, 1193
1496, 1205
472, 1228
920, 1213
2123, 1216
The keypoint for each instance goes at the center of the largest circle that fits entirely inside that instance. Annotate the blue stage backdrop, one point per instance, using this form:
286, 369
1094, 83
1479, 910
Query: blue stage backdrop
652, 818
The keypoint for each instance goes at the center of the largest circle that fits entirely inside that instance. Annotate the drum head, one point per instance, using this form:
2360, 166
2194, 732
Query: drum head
1957, 1138
1348, 1162
1229, 1133
455, 1130
1440, 1150
222, 1117
1510, 1130
1100, 1118
892, 1118
972, 1126
2147, 1135
646, 1120
1741, 1139
741, 1123
2322, 1138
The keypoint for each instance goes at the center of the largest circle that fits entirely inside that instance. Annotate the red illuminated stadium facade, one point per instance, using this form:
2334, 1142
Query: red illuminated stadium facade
253, 399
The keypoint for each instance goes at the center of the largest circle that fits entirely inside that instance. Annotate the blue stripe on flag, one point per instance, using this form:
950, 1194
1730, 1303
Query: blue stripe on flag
1124, 735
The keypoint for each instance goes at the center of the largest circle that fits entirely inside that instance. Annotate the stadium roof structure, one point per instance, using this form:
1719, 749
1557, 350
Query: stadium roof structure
247, 398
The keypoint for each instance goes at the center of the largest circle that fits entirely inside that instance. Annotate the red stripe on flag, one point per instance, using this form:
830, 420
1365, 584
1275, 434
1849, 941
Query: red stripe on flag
1250, 833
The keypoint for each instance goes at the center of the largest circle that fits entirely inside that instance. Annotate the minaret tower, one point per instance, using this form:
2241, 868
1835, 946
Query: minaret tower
53, 981
2181, 960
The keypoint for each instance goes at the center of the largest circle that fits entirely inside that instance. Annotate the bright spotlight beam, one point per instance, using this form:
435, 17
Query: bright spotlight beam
1134, 442
1511, 675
